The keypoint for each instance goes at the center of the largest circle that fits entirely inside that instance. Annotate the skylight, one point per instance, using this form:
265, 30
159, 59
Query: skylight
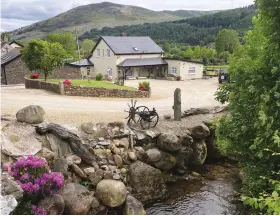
135, 48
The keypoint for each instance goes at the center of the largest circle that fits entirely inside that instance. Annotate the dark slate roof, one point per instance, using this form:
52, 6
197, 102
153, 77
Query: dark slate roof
10, 56
133, 62
82, 62
126, 45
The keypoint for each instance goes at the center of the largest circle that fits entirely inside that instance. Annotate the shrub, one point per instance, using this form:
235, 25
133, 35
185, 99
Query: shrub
178, 78
34, 76
99, 77
144, 86
67, 82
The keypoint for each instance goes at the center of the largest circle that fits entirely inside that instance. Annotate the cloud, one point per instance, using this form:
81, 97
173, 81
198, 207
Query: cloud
18, 13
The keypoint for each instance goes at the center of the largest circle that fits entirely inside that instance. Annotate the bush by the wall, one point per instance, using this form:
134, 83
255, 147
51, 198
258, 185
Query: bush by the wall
99, 77
144, 86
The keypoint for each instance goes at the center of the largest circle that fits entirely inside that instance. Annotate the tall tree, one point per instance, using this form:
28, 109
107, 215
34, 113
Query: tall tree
44, 57
188, 54
66, 40
227, 40
86, 47
197, 52
6, 36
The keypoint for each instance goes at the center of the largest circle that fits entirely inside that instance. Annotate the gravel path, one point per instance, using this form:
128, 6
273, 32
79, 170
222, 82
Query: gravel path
76, 110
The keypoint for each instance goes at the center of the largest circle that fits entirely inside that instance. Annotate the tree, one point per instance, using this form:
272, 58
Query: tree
86, 47
227, 40
66, 40
166, 47
6, 36
197, 53
43, 56
188, 54
250, 130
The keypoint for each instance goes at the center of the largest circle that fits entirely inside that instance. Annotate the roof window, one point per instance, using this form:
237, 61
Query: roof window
135, 48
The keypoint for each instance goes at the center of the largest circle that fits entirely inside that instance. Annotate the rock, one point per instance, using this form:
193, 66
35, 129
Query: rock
75, 159
32, 114
140, 135
89, 171
78, 171
199, 152
10, 187
104, 167
108, 175
167, 162
183, 158
95, 165
118, 160
47, 154
207, 122
95, 205
154, 155
96, 177
195, 174
112, 193
77, 199
112, 168
147, 182
132, 156
89, 128
196, 111
116, 177
169, 142
213, 153
61, 165
167, 116
54, 205
101, 153
8, 204
186, 140
133, 206
124, 143
141, 154
123, 171
200, 131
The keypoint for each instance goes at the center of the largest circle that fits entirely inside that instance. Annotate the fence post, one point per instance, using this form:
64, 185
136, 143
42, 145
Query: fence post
177, 104
61, 88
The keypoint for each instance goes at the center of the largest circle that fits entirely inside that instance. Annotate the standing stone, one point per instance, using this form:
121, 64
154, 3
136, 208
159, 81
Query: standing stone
32, 114
177, 105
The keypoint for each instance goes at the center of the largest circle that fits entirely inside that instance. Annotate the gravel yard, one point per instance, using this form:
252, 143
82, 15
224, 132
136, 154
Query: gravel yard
77, 110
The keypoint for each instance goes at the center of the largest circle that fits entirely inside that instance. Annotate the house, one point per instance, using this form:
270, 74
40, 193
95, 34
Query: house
186, 69
137, 57
128, 57
13, 68
8, 46
86, 67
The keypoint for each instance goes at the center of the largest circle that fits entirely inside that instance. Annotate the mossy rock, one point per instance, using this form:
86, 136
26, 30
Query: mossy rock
199, 152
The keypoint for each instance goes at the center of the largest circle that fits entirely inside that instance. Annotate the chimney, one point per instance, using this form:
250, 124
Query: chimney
123, 34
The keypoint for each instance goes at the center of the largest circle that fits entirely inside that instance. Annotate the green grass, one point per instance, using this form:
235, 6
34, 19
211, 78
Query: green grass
94, 83
211, 67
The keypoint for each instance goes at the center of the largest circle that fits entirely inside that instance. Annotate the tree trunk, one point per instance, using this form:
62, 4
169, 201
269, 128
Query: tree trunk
71, 138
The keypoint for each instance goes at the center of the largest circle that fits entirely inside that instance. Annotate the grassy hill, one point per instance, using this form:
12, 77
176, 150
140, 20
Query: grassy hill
105, 14
194, 31
189, 13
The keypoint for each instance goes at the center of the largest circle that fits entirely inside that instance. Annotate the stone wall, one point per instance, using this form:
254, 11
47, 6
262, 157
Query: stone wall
84, 91
15, 72
37, 84
104, 92
67, 72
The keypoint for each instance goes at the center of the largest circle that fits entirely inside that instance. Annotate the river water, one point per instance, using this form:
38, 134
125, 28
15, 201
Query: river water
212, 193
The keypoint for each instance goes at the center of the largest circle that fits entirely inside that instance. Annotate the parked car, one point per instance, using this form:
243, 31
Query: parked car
223, 76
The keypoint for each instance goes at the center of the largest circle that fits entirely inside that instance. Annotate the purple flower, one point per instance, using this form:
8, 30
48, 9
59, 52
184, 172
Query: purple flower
25, 176
6, 166
38, 210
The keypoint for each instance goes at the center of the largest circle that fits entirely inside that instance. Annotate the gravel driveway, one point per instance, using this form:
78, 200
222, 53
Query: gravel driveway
76, 110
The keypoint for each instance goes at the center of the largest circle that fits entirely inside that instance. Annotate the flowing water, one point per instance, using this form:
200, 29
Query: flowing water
213, 193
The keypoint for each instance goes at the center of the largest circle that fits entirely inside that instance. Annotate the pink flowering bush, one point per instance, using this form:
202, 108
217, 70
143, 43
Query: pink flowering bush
67, 82
34, 76
34, 176
38, 210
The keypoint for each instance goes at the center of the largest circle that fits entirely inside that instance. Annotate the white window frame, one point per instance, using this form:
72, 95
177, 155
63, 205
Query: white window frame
108, 53
98, 52
174, 70
191, 70
88, 71
110, 72
103, 52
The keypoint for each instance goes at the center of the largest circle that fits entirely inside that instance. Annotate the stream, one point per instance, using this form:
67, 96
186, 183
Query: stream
212, 193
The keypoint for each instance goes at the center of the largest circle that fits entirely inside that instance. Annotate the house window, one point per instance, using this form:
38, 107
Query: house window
98, 52
191, 70
88, 71
103, 52
110, 72
108, 53
174, 70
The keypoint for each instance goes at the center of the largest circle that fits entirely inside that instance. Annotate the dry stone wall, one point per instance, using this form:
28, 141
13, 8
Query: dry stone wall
38, 84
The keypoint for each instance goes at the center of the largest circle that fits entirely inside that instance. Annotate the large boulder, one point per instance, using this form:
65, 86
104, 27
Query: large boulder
154, 155
200, 131
32, 114
169, 142
147, 182
8, 204
112, 193
133, 206
54, 205
10, 187
167, 162
183, 158
199, 152
77, 199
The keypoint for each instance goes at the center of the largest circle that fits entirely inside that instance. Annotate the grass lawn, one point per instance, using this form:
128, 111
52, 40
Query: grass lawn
213, 67
94, 83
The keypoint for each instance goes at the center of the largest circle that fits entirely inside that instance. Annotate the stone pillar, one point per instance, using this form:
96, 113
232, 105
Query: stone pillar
61, 88
177, 104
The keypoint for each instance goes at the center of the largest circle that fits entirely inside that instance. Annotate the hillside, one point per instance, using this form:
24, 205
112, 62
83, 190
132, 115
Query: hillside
189, 13
105, 14
194, 31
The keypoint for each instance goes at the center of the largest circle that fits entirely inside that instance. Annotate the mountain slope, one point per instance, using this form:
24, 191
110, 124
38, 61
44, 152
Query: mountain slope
86, 17
194, 31
189, 13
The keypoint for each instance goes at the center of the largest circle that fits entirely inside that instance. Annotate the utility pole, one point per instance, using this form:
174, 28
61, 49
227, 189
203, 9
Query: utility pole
79, 52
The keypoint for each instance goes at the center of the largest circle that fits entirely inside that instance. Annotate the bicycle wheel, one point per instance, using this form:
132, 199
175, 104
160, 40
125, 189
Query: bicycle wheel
135, 114
150, 122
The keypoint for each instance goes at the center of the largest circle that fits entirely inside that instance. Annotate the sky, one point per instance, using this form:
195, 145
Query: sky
19, 13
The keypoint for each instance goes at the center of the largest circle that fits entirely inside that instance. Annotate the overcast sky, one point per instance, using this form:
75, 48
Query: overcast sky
18, 13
